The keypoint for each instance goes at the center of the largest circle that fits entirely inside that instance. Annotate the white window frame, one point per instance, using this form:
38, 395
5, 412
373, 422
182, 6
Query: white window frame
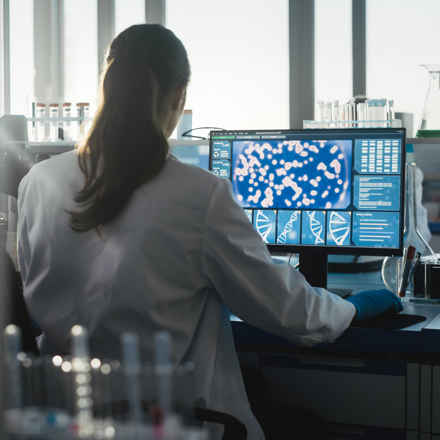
48, 39
5, 70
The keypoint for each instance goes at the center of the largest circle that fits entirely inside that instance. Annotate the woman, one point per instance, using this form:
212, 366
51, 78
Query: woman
120, 236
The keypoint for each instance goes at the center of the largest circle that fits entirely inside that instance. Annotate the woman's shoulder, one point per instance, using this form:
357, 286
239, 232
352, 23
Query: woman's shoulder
191, 172
56, 164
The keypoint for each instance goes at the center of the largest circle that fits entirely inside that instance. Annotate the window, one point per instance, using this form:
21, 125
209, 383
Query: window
401, 35
21, 55
128, 12
80, 50
239, 58
333, 58
2, 66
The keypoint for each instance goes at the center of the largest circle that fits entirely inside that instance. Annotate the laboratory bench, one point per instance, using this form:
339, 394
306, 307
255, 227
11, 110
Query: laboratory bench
380, 379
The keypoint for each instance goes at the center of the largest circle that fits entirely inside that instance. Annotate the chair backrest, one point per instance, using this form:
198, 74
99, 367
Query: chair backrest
14, 308
15, 162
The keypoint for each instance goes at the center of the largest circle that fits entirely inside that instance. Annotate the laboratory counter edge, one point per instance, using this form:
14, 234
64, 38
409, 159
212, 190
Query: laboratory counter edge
412, 335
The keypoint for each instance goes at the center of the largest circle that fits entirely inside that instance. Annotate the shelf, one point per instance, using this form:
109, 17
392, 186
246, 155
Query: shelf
431, 141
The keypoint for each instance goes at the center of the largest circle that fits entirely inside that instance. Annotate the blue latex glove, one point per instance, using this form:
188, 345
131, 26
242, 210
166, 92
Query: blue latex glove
371, 303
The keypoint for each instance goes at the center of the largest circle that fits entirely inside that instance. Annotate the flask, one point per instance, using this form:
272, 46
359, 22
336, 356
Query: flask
430, 122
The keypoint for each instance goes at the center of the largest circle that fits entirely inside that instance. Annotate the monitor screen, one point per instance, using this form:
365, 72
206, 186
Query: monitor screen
336, 189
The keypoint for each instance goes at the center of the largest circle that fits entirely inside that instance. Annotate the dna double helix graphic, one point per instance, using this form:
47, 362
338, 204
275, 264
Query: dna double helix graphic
264, 225
339, 227
288, 228
316, 227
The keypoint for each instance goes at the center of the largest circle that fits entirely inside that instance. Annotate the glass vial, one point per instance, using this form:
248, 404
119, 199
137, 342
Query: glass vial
54, 113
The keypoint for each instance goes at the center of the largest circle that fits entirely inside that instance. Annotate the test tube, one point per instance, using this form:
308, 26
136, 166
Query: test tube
41, 121
12, 349
82, 382
162, 342
54, 121
82, 110
321, 105
130, 347
66, 123
336, 112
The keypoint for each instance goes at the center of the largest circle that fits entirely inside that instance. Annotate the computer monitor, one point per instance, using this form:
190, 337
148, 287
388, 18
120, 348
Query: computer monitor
317, 191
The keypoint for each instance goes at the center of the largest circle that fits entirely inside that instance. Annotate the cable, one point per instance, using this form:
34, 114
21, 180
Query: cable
185, 133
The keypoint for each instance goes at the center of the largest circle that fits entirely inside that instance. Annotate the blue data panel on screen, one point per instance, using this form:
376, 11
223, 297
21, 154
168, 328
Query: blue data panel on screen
377, 156
289, 227
338, 228
221, 168
221, 150
377, 229
265, 224
377, 192
313, 227
292, 174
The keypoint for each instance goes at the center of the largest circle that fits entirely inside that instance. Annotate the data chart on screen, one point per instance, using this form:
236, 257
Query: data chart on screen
331, 188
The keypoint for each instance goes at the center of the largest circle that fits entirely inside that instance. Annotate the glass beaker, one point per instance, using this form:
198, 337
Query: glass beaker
431, 109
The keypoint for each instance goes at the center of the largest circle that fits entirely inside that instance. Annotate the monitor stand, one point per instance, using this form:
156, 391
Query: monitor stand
313, 265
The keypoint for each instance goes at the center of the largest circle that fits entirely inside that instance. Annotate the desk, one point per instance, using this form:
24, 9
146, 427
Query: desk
371, 379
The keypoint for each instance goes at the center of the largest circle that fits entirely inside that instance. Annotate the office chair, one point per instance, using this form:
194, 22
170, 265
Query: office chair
15, 162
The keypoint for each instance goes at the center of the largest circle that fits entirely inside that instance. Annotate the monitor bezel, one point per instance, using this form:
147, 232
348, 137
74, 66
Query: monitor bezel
349, 250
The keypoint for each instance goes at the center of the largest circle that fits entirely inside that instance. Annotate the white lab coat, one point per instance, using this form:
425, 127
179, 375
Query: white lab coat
180, 251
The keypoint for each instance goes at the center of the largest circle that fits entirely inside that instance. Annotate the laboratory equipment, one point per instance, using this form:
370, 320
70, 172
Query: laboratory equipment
66, 123
358, 112
415, 233
430, 122
163, 367
82, 379
12, 338
317, 192
78, 396
132, 370
427, 278
82, 112
41, 124
54, 121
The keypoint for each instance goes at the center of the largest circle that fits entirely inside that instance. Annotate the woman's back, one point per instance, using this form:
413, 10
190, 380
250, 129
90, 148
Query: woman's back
144, 273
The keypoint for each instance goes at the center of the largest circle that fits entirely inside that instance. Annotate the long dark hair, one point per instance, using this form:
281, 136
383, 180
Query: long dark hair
126, 146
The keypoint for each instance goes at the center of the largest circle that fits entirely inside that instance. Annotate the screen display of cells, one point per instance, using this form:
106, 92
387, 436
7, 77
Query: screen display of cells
320, 192
292, 174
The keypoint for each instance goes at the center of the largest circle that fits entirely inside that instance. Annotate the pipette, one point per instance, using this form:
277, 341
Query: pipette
163, 370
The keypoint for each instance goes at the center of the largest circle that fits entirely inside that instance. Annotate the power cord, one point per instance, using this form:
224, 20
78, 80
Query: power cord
186, 133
